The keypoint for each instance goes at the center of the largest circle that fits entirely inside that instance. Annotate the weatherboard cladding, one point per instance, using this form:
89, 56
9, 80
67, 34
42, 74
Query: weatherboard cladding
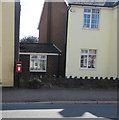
38, 48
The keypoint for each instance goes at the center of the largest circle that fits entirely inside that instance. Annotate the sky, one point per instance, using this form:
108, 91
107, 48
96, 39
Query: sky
30, 17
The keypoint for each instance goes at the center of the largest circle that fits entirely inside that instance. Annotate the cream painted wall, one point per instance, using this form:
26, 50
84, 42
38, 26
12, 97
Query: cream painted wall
0, 42
8, 43
112, 67
118, 41
104, 40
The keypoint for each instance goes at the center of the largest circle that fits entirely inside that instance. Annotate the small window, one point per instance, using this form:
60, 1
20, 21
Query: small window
91, 18
88, 58
38, 63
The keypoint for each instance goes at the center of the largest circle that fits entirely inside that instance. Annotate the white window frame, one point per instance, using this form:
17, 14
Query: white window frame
88, 54
90, 13
38, 61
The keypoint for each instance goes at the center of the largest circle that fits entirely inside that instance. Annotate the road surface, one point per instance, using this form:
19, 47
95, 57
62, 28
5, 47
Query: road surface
37, 110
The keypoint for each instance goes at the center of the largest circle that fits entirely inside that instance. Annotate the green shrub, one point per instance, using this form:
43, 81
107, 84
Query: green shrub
34, 82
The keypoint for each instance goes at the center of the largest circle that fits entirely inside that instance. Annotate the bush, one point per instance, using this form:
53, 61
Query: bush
34, 83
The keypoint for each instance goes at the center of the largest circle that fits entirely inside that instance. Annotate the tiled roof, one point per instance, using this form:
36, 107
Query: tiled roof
101, 3
38, 48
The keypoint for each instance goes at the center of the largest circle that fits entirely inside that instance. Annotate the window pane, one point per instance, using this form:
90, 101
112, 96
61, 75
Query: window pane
87, 10
91, 51
91, 61
34, 56
42, 64
31, 64
41, 56
91, 18
83, 61
95, 21
95, 10
88, 58
84, 51
38, 63
86, 20
86, 26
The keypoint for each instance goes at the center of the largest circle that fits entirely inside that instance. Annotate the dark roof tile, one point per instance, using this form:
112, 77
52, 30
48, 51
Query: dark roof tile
38, 48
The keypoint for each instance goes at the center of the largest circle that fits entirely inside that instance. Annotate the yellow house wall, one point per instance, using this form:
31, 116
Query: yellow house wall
0, 42
103, 39
118, 41
112, 67
8, 43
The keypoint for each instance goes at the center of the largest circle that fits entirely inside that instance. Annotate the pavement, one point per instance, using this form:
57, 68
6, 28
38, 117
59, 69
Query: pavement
59, 95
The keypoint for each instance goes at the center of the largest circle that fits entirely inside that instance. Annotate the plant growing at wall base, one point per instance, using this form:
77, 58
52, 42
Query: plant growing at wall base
34, 83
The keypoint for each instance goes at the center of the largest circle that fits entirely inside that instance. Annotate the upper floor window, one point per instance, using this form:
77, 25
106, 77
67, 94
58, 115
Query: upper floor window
91, 18
88, 58
38, 63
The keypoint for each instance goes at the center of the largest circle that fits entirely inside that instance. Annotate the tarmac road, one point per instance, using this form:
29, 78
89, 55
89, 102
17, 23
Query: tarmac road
44, 95
37, 110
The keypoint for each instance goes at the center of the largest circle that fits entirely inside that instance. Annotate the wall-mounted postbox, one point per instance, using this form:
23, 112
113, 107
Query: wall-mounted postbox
18, 66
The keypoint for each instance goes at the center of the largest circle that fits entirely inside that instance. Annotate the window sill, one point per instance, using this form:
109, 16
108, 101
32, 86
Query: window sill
37, 71
87, 68
97, 29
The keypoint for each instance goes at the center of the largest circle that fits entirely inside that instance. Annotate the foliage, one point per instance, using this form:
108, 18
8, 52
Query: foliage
33, 82
29, 39
64, 82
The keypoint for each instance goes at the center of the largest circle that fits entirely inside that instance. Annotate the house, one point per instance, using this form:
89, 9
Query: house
9, 47
48, 56
76, 39
39, 59
92, 39
52, 29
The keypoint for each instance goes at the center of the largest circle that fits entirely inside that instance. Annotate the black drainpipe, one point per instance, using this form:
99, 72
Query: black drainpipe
66, 30
16, 40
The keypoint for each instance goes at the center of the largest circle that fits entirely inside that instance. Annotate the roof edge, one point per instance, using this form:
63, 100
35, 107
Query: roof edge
37, 43
110, 6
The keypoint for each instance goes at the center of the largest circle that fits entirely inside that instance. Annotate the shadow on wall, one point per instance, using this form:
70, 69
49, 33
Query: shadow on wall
64, 82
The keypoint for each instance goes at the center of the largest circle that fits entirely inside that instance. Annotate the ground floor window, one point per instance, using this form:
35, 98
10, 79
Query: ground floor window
88, 58
38, 63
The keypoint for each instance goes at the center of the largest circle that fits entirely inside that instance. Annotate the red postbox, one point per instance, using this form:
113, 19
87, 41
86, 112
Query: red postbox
18, 66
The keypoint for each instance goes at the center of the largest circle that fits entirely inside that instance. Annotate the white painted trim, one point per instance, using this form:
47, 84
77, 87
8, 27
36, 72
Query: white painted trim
91, 19
66, 2
37, 70
37, 61
23, 53
91, 7
56, 47
81, 68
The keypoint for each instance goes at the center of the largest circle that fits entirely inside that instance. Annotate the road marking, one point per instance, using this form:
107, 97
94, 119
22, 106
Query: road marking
42, 113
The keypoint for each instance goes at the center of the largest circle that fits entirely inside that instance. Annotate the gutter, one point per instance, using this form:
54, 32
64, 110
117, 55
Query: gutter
109, 6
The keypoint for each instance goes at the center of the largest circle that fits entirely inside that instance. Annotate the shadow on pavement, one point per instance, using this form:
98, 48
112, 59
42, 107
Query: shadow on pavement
70, 110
